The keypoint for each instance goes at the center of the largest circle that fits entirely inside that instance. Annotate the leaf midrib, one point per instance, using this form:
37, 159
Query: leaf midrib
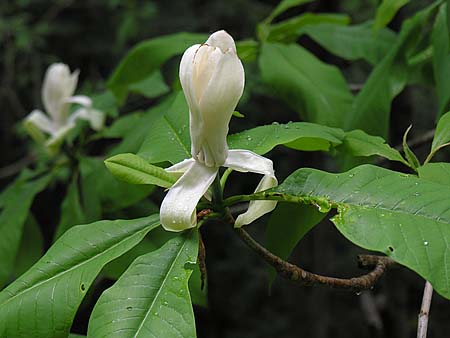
160, 289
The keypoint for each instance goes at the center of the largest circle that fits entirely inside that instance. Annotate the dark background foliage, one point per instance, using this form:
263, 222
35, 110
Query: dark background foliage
94, 35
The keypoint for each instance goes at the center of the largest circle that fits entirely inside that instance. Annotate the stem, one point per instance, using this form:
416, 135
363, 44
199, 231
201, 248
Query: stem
292, 272
422, 325
217, 197
224, 178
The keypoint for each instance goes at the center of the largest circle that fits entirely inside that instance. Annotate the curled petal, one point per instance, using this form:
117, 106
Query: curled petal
247, 161
81, 100
95, 117
41, 121
178, 207
59, 85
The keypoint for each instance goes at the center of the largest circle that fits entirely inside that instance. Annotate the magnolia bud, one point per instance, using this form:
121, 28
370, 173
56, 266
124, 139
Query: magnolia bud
212, 77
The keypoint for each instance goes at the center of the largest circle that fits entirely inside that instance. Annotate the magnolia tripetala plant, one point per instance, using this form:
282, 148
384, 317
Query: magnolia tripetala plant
57, 96
212, 77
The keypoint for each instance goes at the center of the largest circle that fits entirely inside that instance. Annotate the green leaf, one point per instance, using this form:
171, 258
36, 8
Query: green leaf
247, 50
288, 224
371, 109
101, 191
45, 299
20, 196
317, 91
353, 42
168, 138
122, 126
296, 135
152, 86
152, 241
403, 216
441, 60
289, 30
133, 169
31, 246
137, 131
151, 298
105, 102
441, 136
146, 58
435, 172
386, 12
71, 210
358, 143
410, 156
283, 6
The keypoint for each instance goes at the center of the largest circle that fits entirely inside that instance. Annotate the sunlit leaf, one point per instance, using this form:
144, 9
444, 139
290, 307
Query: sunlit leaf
133, 169
296, 135
403, 216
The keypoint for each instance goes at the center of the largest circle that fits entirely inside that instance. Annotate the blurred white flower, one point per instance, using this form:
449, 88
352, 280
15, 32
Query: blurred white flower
57, 96
212, 77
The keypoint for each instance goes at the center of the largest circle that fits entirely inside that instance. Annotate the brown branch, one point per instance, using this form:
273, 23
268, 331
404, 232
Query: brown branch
422, 325
379, 264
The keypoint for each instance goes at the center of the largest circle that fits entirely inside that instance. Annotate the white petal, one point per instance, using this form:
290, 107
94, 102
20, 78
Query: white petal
177, 211
181, 167
81, 100
59, 85
40, 120
222, 40
247, 161
95, 117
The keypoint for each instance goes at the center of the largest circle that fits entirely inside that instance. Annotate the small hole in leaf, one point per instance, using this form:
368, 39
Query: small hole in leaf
391, 249
129, 308
82, 287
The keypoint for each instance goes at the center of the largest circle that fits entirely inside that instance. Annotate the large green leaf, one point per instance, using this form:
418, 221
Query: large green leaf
151, 299
358, 143
289, 30
168, 137
441, 60
296, 135
353, 42
401, 215
134, 169
436, 172
17, 201
317, 91
44, 300
134, 130
386, 11
371, 108
146, 58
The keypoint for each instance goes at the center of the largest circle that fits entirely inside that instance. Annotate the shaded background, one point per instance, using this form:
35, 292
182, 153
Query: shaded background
94, 35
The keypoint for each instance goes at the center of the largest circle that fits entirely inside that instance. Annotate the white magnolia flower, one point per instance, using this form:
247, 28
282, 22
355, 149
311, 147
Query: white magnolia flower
212, 77
57, 95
